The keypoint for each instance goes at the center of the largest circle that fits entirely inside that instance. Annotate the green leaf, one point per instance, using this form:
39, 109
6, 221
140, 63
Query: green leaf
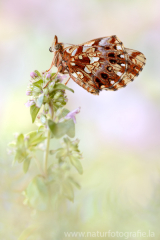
75, 183
67, 141
38, 73
39, 101
71, 128
26, 164
38, 83
61, 153
12, 144
59, 86
20, 140
68, 190
52, 126
63, 113
20, 156
41, 128
62, 128
77, 164
37, 193
36, 90
52, 75
35, 138
34, 111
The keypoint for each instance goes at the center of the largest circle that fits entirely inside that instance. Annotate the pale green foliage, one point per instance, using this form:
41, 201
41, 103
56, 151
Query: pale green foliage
54, 180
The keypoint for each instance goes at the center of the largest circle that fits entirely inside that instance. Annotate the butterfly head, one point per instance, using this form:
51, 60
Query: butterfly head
56, 46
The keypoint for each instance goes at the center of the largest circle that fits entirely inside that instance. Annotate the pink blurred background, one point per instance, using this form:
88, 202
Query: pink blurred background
119, 131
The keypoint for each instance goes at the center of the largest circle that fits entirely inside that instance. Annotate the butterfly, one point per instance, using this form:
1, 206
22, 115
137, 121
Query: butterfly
99, 64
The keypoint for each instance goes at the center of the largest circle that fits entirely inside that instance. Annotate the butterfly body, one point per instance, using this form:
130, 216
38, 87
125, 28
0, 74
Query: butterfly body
99, 64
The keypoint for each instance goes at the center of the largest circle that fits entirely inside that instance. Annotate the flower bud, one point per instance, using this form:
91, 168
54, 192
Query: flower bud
48, 75
58, 104
75, 142
66, 99
61, 100
36, 89
29, 103
51, 86
33, 74
28, 93
57, 95
61, 77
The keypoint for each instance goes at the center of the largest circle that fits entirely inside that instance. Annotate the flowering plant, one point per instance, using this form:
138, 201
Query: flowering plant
54, 179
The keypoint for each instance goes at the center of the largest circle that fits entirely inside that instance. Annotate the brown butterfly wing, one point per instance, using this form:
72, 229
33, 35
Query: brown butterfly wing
103, 63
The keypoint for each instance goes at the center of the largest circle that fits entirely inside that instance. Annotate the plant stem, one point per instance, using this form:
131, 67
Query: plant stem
46, 153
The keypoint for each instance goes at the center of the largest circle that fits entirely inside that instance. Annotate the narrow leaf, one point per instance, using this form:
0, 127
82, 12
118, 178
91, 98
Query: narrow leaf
59, 86
34, 111
38, 83
20, 140
68, 191
19, 156
76, 184
35, 138
41, 128
38, 73
77, 164
61, 153
12, 144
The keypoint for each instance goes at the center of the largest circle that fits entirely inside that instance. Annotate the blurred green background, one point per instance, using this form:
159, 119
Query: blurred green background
119, 131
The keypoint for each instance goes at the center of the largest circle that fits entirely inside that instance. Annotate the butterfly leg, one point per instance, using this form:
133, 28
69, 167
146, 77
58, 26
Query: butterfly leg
67, 80
52, 64
59, 69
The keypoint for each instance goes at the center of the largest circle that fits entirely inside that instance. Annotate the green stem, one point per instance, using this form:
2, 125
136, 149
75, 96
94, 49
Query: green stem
46, 153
